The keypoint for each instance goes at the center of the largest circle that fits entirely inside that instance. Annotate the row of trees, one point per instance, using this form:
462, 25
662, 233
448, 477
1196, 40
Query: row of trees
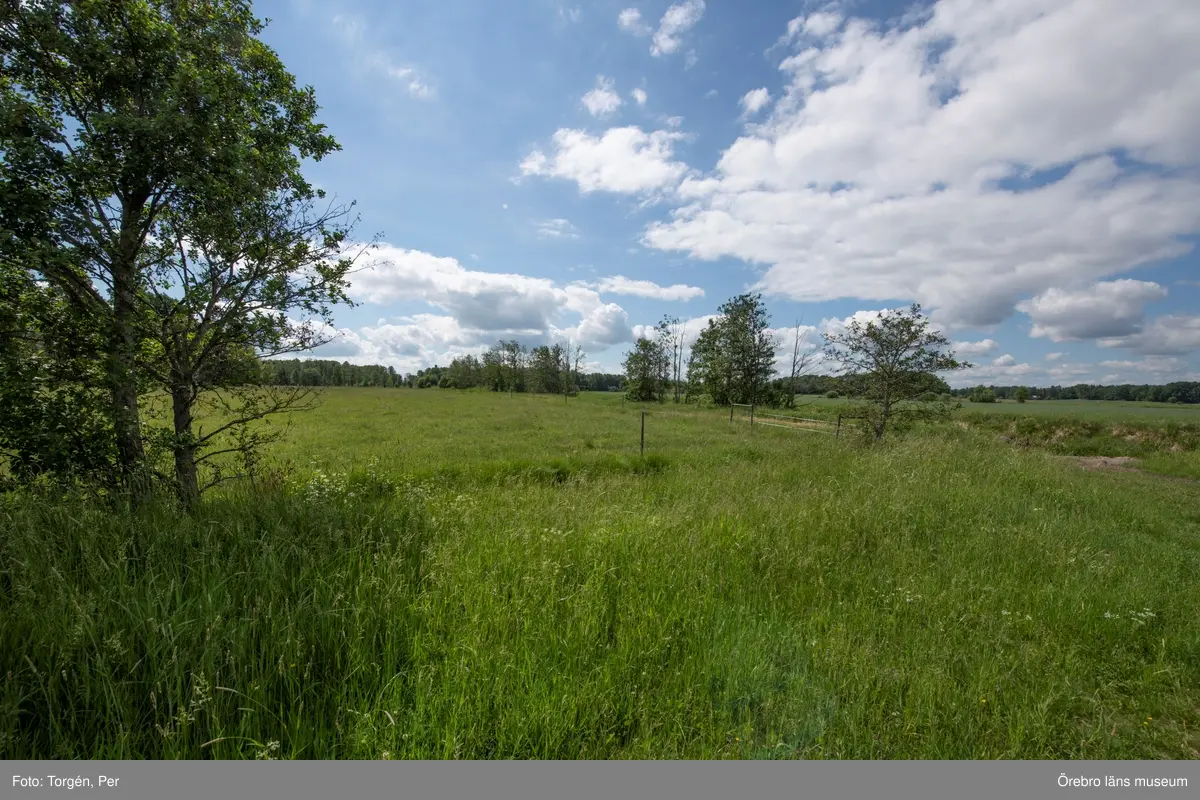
319, 372
731, 361
157, 238
509, 366
890, 364
467, 372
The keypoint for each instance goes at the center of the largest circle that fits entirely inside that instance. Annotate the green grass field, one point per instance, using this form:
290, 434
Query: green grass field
435, 574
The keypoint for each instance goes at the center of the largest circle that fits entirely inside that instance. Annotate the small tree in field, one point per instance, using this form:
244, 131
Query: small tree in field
671, 337
1022, 394
893, 357
803, 356
647, 366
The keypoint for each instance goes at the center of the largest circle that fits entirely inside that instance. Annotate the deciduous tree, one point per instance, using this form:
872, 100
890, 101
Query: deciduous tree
118, 113
646, 367
893, 358
734, 356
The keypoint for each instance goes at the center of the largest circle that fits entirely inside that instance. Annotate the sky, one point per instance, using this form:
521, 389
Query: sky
1026, 170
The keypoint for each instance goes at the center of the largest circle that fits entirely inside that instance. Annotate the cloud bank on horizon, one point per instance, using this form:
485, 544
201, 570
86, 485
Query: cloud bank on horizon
1029, 171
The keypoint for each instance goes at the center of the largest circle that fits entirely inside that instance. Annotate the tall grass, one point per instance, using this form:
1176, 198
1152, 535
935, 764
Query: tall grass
495, 577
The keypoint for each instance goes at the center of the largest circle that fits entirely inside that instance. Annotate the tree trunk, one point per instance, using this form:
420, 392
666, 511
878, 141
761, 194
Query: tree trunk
885, 414
122, 375
187, 484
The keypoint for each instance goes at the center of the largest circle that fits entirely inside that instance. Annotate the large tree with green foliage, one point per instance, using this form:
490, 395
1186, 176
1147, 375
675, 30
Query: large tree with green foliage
137, 129
733, 359
893, 358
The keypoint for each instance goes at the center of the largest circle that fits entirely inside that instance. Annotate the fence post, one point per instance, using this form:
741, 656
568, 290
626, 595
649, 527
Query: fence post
839, 428
731, 413
643, 451
752, 416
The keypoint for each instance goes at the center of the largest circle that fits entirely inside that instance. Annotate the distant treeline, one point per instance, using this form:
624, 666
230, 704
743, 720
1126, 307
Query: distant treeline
1179, 392
464, 373
310, 372
536, 372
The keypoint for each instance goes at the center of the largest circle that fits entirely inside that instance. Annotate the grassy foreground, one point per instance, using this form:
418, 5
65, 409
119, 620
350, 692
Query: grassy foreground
476, 576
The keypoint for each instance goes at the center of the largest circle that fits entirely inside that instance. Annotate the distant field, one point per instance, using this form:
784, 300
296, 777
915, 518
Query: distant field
1082, 409
1092, 409
462, 574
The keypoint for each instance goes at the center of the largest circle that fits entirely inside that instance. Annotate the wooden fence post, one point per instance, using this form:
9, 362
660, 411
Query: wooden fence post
643, 432
752, 416
839, 427
731, 413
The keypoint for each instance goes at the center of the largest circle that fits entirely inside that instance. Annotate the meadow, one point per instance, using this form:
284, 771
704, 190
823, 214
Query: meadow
442, 574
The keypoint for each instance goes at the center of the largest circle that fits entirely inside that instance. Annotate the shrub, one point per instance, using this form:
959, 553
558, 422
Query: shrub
982, 395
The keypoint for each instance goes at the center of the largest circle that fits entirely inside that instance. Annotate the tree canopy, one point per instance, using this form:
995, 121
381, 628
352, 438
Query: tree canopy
893, 360
151, 180
733, 359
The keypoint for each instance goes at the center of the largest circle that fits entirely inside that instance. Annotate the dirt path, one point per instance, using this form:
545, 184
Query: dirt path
1107, 463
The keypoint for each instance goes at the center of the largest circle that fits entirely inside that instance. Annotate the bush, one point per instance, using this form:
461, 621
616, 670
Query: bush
833, 394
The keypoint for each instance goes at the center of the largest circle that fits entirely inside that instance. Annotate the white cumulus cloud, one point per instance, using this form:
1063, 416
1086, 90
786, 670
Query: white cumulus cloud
488, 304
984, 347
678, 20
754, 101
1173, 334
622, 160
675, 23
630, 19
619, 284
603, 100
1102, 310
972, 157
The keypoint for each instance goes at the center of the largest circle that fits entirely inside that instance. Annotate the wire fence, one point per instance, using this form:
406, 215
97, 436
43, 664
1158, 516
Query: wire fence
752, 413
787, 421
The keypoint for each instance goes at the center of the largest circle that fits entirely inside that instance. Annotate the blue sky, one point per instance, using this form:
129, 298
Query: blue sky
1028, 170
